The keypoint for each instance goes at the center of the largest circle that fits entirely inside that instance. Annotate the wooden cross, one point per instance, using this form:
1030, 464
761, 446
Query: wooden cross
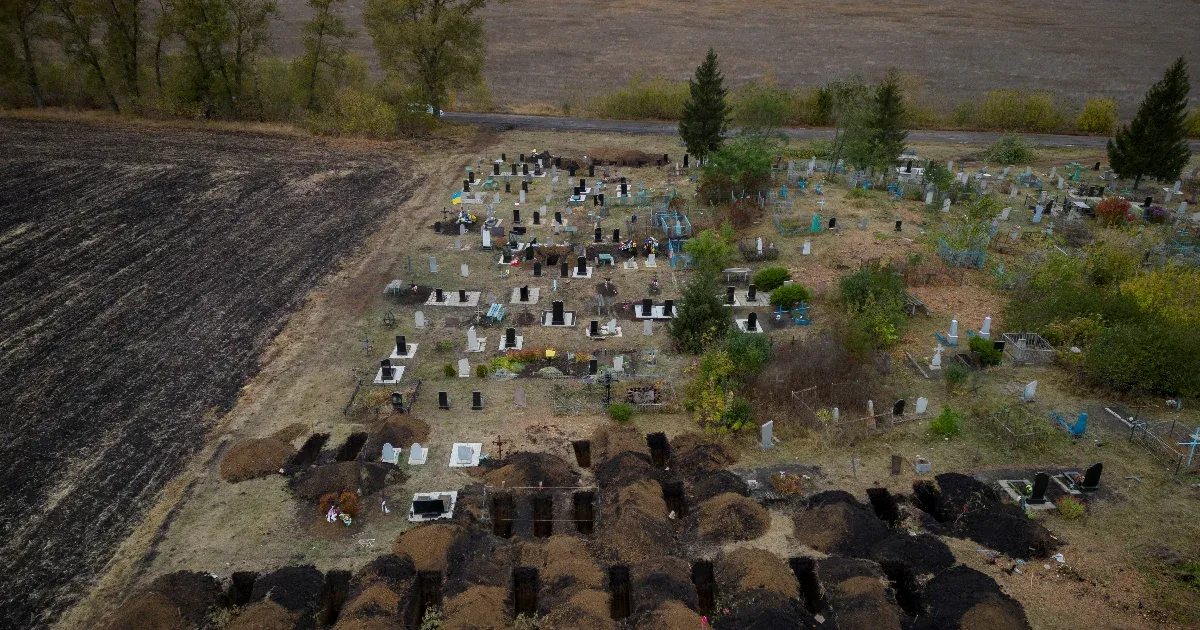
499, 447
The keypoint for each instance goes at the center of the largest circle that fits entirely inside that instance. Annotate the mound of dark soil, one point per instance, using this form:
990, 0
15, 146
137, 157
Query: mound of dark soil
586, 609
1005, 528
748, 569
693, 455
831, 497
711, 484
400, 430
672, 615
530, 469
477, 607
660, 580
428, 545
376, 600
610, 439
194, 593
391, 569
728, 517
923, 554
318, 481
962, 597
145, 611
841, 527
624, 469
635, 535
250, 459
765, 610
296, 589
622, 157
264, 615
858, 594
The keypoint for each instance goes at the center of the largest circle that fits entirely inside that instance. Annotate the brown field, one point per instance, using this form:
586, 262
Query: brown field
554, 51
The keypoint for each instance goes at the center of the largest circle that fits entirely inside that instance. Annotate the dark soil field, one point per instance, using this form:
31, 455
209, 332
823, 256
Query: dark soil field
554, 51
142, 274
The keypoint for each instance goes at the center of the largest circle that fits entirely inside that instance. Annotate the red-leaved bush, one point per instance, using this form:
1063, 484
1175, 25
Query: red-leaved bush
1113, 211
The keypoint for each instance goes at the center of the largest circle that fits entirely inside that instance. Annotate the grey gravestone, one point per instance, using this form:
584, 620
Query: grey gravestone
768, 431
432, 264
897, 461
648, 327
519, 398
464, 368
389, 454
419, 319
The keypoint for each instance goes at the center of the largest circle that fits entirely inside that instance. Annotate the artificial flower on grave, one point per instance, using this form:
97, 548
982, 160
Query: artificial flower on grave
650, 245
465, 218
629, 246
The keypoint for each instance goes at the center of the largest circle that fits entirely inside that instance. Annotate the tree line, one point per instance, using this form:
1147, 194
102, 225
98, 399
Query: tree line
210, 58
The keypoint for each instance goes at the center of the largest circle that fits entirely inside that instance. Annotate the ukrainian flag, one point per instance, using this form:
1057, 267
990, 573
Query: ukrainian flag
456, 198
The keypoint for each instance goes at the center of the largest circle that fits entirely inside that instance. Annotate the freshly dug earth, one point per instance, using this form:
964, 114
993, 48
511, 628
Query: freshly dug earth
294, 588
608, 440
673, 615
646, 496
626, 468
586, 609
429, 545
194, 593
529, 469
622, 157
318, 481
211, 240
659, 580
961, 595
749, 569
375, 600
924, 554
635, 535
253, 458
843, 528
858, 595
728, 517
145, 611
264, 615
569, 563
401, 431
764, 610
694, 456
479, 607
974, 510
372, 623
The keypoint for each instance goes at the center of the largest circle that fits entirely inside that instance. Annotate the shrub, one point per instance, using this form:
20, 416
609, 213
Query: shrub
878, 280
1042, 114
1157, 214
761, 105
1149, 355
482, 370
1193, 124
1170, 292
649, 99
948, 423
444, 345
956, 375
1010, 149
741, 167
1113, 211
449, 371
748, 352
355, 111
742, 213
1099, 116
988, 354
789, 295
1014, 110
738, 415
770, 278
702, 318
621, 412
1070, 507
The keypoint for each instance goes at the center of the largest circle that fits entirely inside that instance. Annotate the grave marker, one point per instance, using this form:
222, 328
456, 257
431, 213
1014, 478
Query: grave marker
444, 400
768, 437
1038, 495
419, 319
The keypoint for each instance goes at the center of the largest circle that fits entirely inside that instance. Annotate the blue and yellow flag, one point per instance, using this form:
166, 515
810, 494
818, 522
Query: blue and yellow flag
456, 198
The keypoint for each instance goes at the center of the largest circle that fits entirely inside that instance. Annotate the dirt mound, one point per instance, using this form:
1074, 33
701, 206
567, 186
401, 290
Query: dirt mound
833, 497
719, 482
194, 593
569, 564
146, 611
1005, 528
857, 593
645, 495
622, 157
294, 588
923, 554
585, 609
429, 545
764, 610
375, 600
625, 468
659, 580
748, 569
635, 536
253, 458
479, 607
264, 615
841, 527
530, 469
370, 623
694, 455
608, 440
399, 430
317, 481
673, 615
291, 431
391, 569
728, 517
961, 595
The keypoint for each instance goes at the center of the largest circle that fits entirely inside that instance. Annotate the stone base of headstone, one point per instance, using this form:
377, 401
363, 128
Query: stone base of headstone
656, 312
451, 299
761, 299
741, 324
568, 319
397, 374
534, 294
651, 264
1011, 487
575, 273
605, 333
631, 265
465, 455
520, 344
412, 351
417, 455
480, 345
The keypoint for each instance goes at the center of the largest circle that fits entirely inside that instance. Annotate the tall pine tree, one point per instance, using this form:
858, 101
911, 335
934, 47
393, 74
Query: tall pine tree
876, 138
1155, 144
706, 113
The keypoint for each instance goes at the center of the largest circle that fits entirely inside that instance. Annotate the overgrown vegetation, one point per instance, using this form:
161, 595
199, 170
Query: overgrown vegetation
1010, 149
768, 278
948, 423
1154, 144
655, 98
874, 297
740, 167
722, 370
1098, 116
1070, 508
988, 354
703, 318
621, 412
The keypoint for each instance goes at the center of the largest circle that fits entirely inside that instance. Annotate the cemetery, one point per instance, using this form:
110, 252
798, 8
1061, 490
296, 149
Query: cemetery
564, 384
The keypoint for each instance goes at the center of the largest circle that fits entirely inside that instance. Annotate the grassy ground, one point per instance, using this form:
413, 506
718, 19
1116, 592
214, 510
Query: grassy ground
1114, 580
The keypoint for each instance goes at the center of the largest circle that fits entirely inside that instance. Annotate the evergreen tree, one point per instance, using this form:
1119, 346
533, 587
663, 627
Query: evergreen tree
1155, 144
706, 112
882, 135
703, 317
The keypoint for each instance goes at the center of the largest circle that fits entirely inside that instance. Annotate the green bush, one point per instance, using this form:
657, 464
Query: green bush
1193, 124
749, 353
621, 412
448, 371
956, 375
1149, 356
358, 112
878, 280
988, 354
761, 105
482, 370
789, 295
948, 423
1015, 110
771, 278
874, 297
741, 167
739, 415
444, 345
1070, 507
644, 99
703, 317
1010, 149
1099, 116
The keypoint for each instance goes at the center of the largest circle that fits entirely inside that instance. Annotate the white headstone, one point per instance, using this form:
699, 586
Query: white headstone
618, 363
1178, 184
472, 340
1053, 171
1004, 213
922, 404
650, 261
870, 408
612, 326
768, 434
1183, 207
946, 205
758, 244
496, 197
389, 455
953, 336
936, 362
929, 197
419, 319
464, 368
1012, 193
1060, 183
1038, 210
417, 454
432, 264
807, 248
462, 228
950, 166
465, 271
1029, 392
457, 242
648, 327
985, 331
486, 234
522, 196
